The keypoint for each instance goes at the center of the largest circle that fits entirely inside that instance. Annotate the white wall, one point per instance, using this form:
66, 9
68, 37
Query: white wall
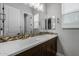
54, 9
69, 7
42, 21
42, 16
70, 38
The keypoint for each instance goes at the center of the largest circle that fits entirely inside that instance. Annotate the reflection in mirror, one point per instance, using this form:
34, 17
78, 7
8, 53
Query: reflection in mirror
53, 22
25, 23
46, 27
49, 23
21, 21
28, 22
36, 22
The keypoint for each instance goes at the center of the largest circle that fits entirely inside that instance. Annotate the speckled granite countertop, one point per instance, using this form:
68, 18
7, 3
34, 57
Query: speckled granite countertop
15, 47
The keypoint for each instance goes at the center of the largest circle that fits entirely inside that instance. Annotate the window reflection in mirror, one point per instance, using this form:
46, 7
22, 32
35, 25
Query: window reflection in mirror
36, 22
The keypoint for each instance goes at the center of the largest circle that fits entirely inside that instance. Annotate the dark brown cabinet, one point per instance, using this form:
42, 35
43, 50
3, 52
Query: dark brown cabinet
48, 48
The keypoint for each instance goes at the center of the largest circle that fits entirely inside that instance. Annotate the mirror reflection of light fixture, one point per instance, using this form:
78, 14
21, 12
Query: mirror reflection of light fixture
53, 17
37, 6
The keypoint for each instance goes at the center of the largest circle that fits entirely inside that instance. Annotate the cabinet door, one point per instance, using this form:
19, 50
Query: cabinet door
36, 51
43, 49
54, 45
46, 49
50, 47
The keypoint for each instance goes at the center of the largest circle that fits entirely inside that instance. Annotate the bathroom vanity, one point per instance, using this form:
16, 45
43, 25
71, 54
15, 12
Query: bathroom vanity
48, 48
42, 45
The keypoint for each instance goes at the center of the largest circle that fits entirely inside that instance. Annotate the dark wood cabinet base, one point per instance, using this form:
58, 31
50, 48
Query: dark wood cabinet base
48, 48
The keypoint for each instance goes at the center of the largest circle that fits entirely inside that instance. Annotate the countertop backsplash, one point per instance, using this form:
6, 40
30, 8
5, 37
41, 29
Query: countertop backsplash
20, 36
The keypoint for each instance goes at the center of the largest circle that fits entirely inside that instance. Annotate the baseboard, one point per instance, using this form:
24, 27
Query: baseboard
59, 54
